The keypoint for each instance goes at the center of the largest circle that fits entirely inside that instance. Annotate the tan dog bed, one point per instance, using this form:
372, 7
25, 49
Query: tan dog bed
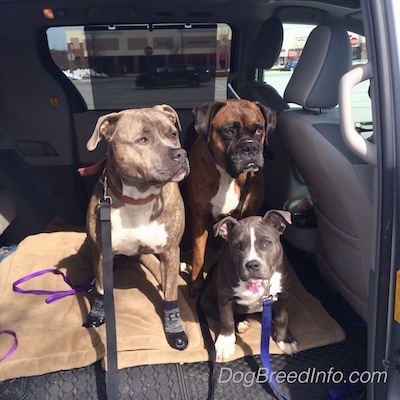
51, 336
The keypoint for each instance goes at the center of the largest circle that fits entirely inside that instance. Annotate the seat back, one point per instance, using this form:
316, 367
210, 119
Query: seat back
262, 55
278, 172
341, 184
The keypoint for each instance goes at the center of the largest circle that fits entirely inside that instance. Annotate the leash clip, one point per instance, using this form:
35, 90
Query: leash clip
103, 181
91, 286
267, 295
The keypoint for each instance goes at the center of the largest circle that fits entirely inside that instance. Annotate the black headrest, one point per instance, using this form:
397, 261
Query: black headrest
267, 45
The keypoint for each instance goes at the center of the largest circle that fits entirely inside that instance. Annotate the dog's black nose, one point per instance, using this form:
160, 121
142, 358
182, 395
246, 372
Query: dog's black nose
177, 154
253, 265
249, 148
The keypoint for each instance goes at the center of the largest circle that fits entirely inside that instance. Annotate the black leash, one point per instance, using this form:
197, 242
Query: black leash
109, 309
205, 329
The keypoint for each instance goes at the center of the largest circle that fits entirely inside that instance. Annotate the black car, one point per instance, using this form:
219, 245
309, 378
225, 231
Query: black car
173, 75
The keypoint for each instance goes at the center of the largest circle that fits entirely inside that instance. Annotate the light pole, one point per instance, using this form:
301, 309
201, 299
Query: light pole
71, 58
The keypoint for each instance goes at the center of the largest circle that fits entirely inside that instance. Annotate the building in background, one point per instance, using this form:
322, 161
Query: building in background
127, 50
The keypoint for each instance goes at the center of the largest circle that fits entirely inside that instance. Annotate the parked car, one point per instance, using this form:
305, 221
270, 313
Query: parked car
174, 75
332, 162
290, 65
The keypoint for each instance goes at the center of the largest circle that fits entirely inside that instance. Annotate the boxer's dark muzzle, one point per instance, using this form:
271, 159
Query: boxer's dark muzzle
245, 156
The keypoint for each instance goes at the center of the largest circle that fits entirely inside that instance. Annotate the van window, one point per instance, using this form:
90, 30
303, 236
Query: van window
125, 66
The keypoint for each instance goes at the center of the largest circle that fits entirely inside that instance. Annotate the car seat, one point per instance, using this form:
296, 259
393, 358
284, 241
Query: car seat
279, 172
262, 55
340, 183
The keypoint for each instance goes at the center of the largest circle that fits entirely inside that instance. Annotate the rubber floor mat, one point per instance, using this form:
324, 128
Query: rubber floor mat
307, 375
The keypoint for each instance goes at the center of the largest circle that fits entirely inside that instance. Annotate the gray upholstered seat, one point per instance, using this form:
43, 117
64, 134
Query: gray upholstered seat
263, 55
341, 184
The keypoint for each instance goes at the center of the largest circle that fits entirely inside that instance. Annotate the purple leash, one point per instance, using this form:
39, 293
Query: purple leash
53, 295
14, 346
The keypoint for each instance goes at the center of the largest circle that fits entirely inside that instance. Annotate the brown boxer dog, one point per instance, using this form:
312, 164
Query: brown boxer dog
226, 162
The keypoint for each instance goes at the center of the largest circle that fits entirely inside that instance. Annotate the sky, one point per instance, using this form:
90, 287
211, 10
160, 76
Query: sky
56, 37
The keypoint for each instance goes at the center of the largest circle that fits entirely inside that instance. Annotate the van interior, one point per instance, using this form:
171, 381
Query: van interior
65, 64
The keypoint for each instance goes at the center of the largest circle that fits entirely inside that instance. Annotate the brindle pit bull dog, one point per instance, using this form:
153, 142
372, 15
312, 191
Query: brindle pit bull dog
144, 163
253, 265
232, 135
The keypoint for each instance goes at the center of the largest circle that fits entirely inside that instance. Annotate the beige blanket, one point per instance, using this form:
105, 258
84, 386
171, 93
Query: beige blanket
51, 336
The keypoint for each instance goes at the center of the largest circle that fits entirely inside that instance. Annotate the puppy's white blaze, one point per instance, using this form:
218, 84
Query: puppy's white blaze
134, 193
226, 199
225, 346
131, 230
253, 255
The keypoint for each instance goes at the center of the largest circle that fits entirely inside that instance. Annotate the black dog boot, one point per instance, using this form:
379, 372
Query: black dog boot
174, 332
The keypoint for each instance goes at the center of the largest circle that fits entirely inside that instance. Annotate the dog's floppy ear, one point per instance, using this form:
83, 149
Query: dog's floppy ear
203, 116
223, 228
105, 126
171, 113
278, 219
270, 119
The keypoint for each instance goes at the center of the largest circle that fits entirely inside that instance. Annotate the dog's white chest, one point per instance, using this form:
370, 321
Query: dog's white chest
226, 199
132, 229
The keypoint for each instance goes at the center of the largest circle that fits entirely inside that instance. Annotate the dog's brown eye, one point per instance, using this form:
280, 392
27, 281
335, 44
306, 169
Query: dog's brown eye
266, 242
229, 132
238, 246
143, 140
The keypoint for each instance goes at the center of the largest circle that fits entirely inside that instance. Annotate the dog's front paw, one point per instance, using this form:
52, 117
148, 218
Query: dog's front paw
94, 321
243, 326
284, 338
225, 347
289, 348
178, 340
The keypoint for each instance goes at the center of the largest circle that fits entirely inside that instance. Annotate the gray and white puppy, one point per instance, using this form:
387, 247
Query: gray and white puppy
252, 266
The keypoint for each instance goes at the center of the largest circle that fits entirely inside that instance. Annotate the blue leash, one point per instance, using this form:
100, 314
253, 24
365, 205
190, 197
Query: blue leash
340, 392
265, 356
